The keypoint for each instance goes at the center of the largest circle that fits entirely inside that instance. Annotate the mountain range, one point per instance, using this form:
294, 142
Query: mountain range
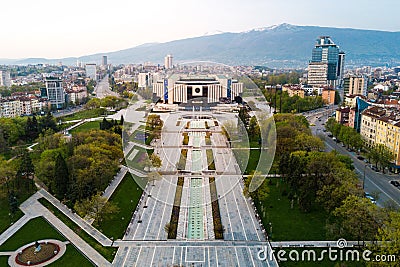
284, 45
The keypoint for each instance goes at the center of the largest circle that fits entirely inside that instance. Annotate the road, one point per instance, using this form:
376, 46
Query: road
103, 89
375, 182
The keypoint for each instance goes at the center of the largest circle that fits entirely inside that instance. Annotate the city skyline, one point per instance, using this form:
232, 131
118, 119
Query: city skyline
40, 29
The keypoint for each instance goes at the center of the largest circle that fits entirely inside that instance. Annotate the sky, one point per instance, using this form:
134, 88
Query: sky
73, 28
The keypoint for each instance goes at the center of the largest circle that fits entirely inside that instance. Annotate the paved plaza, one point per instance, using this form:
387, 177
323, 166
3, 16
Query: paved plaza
145, 242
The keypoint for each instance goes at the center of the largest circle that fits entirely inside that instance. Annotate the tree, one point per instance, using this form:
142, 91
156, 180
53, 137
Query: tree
93, 103
48, 122
31, 129
61, 176
389, 235
7, 172
155, 161
357, 219
254, 129
3, 142
256, 186
96, 208
308, 143
381, 155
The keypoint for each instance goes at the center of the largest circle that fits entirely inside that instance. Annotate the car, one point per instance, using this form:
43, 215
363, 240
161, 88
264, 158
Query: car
373, 167
395, 183
334, 138
371, 198
360, 157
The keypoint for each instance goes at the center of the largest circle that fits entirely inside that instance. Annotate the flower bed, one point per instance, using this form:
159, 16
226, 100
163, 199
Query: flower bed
28, 257
218, 228
173, 224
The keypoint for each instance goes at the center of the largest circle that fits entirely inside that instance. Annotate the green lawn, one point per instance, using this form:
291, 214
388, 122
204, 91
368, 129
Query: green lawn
126, 197
5, 218
86, 114
72, 258
4, 261
87, 126
290, 224
107, 252
35, 229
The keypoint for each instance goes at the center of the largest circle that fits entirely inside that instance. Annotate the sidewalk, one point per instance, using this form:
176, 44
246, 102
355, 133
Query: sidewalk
89, 229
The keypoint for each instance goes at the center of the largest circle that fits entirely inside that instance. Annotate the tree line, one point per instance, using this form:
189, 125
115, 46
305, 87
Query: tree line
77, 169
378, 154
21, 130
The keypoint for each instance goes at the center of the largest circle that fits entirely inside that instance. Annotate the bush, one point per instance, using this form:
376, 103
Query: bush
185, 139
210, 159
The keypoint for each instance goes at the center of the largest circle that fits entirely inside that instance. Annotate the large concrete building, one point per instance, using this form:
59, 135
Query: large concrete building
196, 89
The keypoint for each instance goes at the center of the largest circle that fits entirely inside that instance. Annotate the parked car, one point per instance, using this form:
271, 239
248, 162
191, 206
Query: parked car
395, 183
371, 198
373, 167
360, 157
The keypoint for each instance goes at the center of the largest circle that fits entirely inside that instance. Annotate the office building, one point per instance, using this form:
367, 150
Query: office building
104, 61
168, 62
327, 63
91, 71
55, 92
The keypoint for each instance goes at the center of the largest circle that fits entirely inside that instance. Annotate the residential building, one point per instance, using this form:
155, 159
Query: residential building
342, 115
168, 62
368, 125
328, 96
55, 92
77, 94
355, 85
355, 113
5, 78
293, 90
10, 108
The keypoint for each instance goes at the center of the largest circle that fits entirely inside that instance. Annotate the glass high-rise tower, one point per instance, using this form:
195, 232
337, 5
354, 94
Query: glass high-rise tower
327, 53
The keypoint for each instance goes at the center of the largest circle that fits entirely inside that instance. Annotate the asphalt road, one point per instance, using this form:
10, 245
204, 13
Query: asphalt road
103, 89
375, 182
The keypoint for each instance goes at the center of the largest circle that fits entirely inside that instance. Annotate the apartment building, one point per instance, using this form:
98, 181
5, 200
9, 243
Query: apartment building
369, 118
